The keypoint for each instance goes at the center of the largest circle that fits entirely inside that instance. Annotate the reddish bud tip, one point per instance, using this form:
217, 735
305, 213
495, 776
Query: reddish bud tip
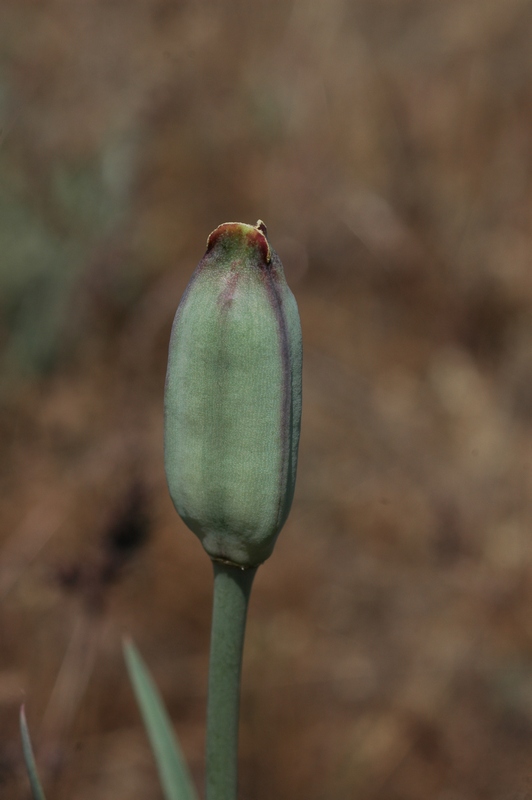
238, 233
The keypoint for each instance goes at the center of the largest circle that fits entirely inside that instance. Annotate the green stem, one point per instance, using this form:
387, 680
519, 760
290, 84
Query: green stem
232, 587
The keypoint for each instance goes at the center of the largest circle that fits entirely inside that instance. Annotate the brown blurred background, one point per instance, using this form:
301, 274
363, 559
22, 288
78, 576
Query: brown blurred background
388, 146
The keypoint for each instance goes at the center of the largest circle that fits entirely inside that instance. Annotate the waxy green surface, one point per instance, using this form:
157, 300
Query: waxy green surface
233, 397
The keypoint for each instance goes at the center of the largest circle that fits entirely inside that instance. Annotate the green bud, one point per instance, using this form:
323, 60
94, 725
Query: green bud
233, 397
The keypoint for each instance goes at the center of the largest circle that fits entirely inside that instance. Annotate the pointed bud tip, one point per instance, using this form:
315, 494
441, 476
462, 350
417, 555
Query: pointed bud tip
235, 233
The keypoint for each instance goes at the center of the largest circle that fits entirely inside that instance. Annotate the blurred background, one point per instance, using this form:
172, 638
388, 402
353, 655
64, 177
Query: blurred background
387, 144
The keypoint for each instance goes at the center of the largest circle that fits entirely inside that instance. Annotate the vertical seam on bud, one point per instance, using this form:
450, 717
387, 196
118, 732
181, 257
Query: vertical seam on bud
226, 296
286, 403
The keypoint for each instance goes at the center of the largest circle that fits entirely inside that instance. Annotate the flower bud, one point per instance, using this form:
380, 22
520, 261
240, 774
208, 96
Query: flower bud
233, 397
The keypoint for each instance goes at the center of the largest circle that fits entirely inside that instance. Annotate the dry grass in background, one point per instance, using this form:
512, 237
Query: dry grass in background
387, 145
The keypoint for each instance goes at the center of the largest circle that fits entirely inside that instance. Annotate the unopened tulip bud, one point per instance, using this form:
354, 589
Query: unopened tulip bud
233, 397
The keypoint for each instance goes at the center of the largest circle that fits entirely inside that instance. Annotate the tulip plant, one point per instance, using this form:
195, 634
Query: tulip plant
232, 420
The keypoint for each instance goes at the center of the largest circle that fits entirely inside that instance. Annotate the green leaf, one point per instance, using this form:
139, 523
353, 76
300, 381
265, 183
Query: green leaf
27, 749
173, 773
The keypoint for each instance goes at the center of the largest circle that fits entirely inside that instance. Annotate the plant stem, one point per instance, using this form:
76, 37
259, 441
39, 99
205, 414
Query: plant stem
232, 587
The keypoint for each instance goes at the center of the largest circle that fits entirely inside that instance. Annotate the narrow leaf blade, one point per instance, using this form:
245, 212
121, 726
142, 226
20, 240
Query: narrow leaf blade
29, 758
173, 773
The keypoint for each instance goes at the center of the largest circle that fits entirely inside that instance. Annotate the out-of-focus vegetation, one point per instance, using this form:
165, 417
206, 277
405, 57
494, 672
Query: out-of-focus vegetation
387, 145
